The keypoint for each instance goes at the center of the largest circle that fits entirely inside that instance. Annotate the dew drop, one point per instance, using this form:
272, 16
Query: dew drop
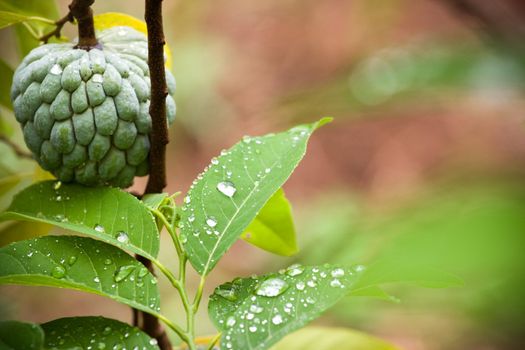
336, 283
122, 237
253, 329
57, 185
211, 221
96, 279
187, 200
142, 272
359, 268
310, 300
72, 260
311, 284
153, 341
106, 330
277, 319
226, 188
295, 270
300, 285
250, 316
339, 272
256, 309
30, 254
99, 228
227, 291
58, 272
272, 287
214, 161
123, 272
230, 322
108, 261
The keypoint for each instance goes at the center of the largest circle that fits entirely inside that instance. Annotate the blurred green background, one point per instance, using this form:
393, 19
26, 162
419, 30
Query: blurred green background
423, 168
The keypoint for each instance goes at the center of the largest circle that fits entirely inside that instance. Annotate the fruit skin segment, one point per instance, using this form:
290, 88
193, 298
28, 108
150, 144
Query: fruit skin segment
85, 114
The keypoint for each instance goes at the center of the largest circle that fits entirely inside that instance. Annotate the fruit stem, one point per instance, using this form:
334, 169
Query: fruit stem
82, 12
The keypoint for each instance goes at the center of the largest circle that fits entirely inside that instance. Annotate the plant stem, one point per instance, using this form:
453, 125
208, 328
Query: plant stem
59, 24
198, 296
159, 91
82, 12
159, 133
180, 285
214, 341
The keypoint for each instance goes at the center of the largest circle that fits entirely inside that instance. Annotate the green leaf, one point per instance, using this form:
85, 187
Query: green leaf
154, 200
46, 9
9, 18
324, 338
6, 73
19, 230
109, 214
374, 292
226, 198
95, 333
273, 229
80, 263
16, 335
254, 313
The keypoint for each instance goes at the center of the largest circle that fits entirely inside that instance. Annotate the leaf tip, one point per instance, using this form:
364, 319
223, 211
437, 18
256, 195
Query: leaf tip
323, 121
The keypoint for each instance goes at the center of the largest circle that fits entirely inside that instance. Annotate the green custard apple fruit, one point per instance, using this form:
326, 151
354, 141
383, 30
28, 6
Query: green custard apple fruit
85, 114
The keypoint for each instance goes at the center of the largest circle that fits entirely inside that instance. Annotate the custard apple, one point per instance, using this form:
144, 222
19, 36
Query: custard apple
85, 114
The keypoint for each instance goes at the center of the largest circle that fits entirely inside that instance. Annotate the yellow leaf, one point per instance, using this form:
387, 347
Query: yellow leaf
112, 19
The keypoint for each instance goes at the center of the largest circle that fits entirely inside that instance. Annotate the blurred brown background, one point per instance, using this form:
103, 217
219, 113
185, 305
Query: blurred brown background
428, 100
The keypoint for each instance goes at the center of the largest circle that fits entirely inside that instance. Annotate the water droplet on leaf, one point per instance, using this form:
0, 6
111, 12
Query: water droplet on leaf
339, 272
277, 319
99, 228
58, 272
211, 221
122, 237
295, 270
272, 287
123, 272
226, 188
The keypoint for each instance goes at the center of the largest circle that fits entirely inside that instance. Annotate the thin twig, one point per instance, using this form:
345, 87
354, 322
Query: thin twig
59, 24
158, 137
18, 151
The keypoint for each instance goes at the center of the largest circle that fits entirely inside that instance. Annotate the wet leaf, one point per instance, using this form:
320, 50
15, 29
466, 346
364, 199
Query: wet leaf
273, 229
105, 213
47, 9
16, 335
95, 333
6, 73
324, 338
254, 313
226, 198
80, 263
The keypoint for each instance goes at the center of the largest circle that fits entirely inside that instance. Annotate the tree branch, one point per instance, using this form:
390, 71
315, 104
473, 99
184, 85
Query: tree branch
159, 91
59, 24
158, 139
